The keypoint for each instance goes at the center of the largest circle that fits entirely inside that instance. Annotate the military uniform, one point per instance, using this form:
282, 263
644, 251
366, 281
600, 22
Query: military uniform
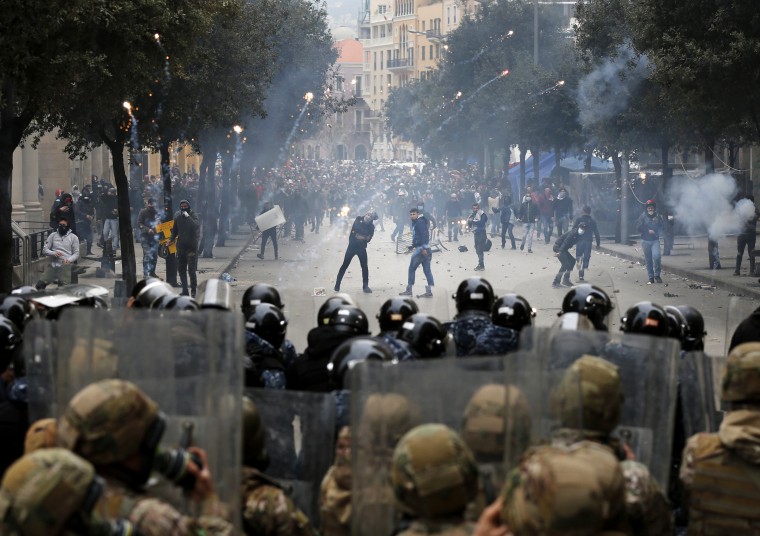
335, 494
268, 511
721, 472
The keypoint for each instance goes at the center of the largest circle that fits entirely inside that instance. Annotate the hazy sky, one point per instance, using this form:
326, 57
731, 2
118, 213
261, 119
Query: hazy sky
343, 12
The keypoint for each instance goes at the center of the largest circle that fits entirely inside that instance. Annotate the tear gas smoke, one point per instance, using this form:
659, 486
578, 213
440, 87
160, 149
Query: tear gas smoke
606, 91
705, 205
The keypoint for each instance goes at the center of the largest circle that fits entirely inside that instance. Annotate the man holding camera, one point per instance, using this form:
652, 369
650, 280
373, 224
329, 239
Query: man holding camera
186, 234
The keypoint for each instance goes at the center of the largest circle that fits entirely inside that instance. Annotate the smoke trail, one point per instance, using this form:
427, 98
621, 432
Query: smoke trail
705, 205
284, 149
606, 91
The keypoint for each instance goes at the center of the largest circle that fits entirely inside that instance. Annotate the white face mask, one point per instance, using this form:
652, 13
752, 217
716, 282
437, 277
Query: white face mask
526, 198
580, 231
561, 195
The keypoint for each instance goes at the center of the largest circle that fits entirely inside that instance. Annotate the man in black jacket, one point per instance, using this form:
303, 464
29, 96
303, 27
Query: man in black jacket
361, 233
185, 234
583, 248
562, 250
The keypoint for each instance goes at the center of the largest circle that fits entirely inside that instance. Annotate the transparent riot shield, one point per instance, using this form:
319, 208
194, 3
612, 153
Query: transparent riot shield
40, 346
188, 363
389, 400
300, 438
697, 386
301, 308
561, 347
649, 373
739, 308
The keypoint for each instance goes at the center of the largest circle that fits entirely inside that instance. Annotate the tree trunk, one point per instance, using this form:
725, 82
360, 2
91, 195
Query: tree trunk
127, 239
209, 214
618, 167
523, 152
166, 179
587, 163
709, 158
224, 208
536, 152
557, 159
667, 173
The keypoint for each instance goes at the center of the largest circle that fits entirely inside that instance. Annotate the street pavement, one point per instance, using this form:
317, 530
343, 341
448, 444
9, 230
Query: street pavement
305, 274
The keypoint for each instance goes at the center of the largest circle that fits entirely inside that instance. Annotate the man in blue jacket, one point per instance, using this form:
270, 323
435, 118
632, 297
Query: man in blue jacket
421, 253
650, 225
477, 224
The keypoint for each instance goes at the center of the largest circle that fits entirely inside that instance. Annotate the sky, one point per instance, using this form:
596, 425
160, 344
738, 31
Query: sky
343, 12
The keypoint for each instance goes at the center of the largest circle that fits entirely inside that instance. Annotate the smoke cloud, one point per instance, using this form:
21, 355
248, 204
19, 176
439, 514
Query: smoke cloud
705, 205
606, 91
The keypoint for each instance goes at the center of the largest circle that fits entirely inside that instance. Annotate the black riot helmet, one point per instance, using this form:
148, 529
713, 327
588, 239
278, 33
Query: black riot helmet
646, 318
590, 301
394, 312
268, 322
695, 329
352, 352
512, 311
18, 310
425, 334
329, 307
677, 327
474, 294
260, 293
10, 339
147, 291
26, 289
350, 319
182, 303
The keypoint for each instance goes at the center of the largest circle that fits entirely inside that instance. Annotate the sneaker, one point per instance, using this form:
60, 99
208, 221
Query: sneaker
153, 274
367, 290
522, 247
657, 279
427, 294
337, 288
556, 284
737, 272
650, 282
530, 251
567, 283
479, 268
407, 292
260, 256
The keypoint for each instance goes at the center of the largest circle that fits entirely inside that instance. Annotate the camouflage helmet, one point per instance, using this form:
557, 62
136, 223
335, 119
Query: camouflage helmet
386, 417
395, 311
44, 490
741, 376
42, 434
254, 437
109, 421
578, 490
491, 410
589, 396
433, 472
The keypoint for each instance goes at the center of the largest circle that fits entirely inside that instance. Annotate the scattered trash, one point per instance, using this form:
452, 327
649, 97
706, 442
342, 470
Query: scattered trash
227, 277
670, 295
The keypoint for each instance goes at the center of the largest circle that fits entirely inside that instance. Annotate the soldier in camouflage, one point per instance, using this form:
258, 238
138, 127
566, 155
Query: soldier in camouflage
267, 510
42, 434
720, 472
117, 428
53, 492
574, 490
434, 478
474, 300
588, 403
335, 492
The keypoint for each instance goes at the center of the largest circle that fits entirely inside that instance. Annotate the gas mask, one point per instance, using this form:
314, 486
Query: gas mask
63, 229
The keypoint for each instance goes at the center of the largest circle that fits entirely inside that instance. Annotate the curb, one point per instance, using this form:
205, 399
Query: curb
227, 267
723, 285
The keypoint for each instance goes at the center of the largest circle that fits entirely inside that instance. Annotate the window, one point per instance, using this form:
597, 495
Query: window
455, 13
431, 52
423, 25
448, 15
358, 120
382, 31
374, 67
422, 52
437, 51
358, 86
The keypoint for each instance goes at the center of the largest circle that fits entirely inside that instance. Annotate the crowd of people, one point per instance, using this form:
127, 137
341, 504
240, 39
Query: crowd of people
480, 424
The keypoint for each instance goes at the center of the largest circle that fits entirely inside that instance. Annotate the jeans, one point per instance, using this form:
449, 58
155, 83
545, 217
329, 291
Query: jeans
399, 230
111, 230
362, 254
507, 228
562, 222
480, 244
454, 226
494, 223
150, 254
187, 263
529, 227
267, 235
417, 259
567, 262
548, 227
652, 257
583, 251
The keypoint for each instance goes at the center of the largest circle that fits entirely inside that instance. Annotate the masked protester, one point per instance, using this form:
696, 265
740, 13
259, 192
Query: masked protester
362, 232
146, 222
62, 246
477, 223
562, 251
185, 234
650, 225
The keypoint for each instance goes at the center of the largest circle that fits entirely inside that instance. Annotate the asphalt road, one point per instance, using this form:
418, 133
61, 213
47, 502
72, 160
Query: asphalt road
306, 270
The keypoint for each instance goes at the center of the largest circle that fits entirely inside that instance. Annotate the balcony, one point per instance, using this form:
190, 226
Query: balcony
400, 64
